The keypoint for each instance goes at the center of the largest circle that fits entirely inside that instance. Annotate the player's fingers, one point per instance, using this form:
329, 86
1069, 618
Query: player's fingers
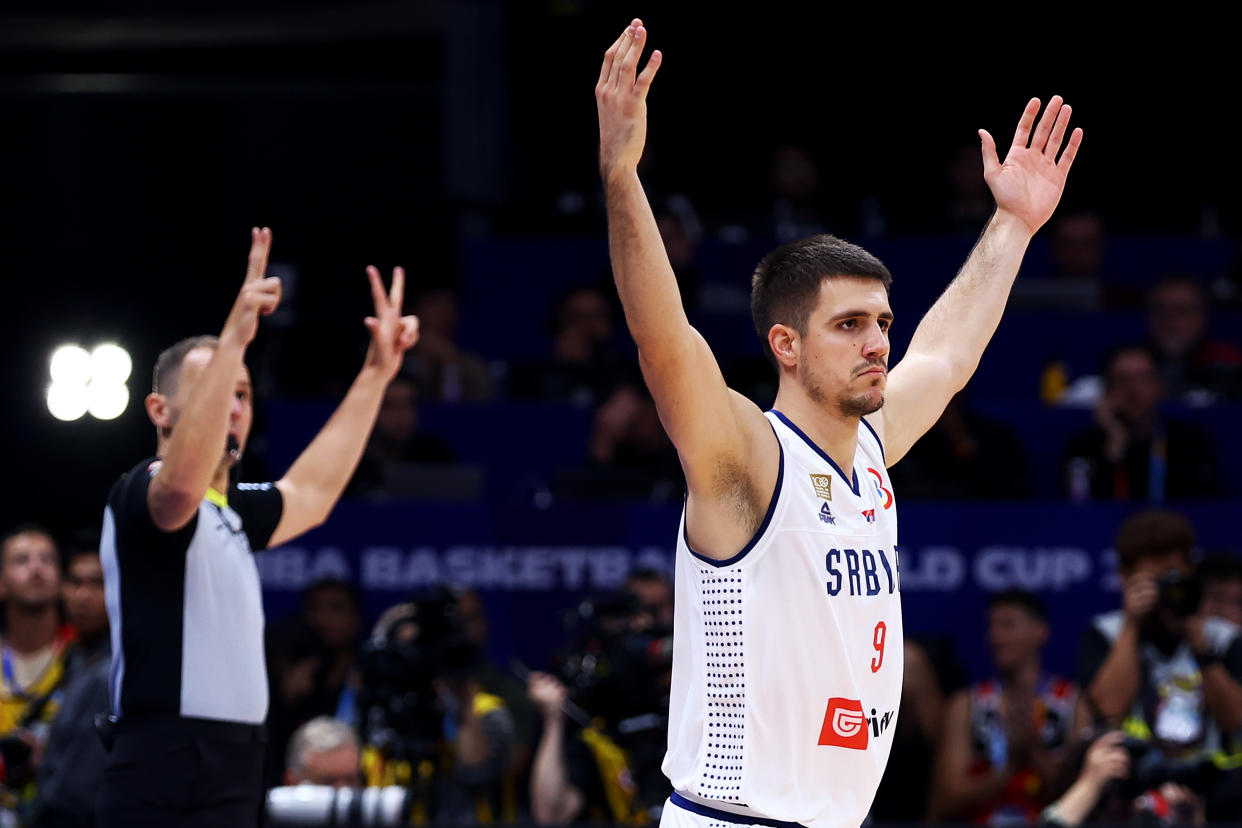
1057, 138
260, 246
990, 162
609, 56
643, 84
629, 63
1071, 150
1023, 133
397, 295
627, 43
409, 332
377, 289
1044, 128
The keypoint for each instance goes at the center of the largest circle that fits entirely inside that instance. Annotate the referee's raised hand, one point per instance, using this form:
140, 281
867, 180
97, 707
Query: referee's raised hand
259, 295
391, 333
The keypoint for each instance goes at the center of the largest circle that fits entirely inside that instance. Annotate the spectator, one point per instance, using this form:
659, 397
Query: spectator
654, 592
585, 367
324, 751
628, 455
1105, 792
443, 370
427, 719
1194, 366
1077, 281
313, 665
73, 763
1005, 739
970, 201
965, 456
796, 211
396, 441
34, 646
1134, 452
1221, 577
1156, 666
681, 232
580, 777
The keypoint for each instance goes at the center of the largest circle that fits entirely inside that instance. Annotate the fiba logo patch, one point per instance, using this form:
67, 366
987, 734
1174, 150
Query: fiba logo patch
823, 485
846, 726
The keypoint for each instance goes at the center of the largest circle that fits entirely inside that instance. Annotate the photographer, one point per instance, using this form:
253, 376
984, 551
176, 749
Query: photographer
1107, 789
1165, 673
425, 721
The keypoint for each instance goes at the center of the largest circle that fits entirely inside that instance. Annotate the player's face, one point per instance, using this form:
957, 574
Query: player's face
1014, 635
843, 360
241, 409
29, 570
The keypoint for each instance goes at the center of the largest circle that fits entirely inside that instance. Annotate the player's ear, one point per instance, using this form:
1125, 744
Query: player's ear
158, 410
785, 344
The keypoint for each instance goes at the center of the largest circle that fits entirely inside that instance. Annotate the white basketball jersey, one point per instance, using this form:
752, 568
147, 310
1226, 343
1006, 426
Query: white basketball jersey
787, 658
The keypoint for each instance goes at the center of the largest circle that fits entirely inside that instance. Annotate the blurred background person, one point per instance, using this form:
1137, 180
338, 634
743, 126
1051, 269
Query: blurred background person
73, 762
1196, 368
1220, 576
443, 370
324, 751
1134, 452
396, 442
1157, 667
1006, 739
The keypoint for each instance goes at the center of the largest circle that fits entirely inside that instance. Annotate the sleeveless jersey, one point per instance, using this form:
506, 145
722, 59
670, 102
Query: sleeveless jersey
787, 657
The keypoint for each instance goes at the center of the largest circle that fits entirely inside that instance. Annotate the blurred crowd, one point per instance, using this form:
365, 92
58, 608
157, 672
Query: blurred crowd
412, 711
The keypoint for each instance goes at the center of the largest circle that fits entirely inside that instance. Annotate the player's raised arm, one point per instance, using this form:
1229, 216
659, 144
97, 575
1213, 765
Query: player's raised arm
317, 478
712, 427
193, 453
949, 341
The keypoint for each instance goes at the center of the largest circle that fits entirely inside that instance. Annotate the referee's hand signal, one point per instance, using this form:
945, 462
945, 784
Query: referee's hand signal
391, 333
259, 295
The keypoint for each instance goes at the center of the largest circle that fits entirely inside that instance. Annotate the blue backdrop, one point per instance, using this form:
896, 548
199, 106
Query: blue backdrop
531, 564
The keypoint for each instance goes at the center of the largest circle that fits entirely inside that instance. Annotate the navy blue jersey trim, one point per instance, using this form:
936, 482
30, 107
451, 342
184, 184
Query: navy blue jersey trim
763, 527
727, 816
852, 480
877, 439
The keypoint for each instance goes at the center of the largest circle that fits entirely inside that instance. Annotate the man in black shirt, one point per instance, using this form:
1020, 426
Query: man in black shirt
187, 682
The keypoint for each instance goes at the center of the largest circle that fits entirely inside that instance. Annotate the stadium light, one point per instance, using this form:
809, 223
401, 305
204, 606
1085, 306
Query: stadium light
89, 382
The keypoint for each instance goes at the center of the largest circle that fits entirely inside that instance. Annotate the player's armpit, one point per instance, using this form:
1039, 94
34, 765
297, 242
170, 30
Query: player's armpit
919, 388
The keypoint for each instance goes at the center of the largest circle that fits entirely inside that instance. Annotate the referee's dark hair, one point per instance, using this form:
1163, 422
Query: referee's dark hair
168, 363
1023, 599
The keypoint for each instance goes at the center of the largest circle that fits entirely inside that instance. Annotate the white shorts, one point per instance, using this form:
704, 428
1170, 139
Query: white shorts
680, 812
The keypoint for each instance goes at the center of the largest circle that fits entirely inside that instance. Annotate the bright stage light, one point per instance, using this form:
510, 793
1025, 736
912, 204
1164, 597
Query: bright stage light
91, 382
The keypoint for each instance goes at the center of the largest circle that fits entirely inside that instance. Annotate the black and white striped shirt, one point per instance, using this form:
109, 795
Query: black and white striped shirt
185, 606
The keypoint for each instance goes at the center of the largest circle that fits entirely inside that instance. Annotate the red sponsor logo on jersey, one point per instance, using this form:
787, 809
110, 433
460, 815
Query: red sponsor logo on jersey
845, 725
885, 494
869, 515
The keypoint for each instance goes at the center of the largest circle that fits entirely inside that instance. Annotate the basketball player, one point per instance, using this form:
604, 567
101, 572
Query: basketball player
788, 644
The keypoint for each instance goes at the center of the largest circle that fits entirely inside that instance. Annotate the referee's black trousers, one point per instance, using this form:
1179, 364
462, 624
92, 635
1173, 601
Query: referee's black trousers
175, 772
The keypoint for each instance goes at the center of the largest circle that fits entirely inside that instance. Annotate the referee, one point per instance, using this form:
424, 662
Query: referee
187, 686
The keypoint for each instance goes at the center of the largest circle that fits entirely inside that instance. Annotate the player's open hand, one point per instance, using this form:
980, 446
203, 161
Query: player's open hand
258, 295
1029, 182
621, 98
391, 333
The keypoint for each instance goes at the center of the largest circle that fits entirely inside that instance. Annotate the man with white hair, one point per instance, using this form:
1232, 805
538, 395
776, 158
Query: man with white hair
324, 751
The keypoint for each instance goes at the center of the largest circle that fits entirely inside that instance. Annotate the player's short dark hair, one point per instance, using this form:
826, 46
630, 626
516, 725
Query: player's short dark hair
786, 283
168, 363
29, 528
1153, 533
1220, 566
1025, 600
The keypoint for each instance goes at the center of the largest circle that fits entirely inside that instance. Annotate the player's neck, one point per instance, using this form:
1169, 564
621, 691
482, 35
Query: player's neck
834, 433
29, 629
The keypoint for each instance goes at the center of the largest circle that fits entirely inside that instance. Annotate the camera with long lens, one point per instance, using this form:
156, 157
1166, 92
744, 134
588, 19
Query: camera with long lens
302, 806
1150, 768
401, 716
1178, 593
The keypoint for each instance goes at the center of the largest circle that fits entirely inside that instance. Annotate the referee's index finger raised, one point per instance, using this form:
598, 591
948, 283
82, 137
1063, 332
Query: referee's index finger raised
260, 246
